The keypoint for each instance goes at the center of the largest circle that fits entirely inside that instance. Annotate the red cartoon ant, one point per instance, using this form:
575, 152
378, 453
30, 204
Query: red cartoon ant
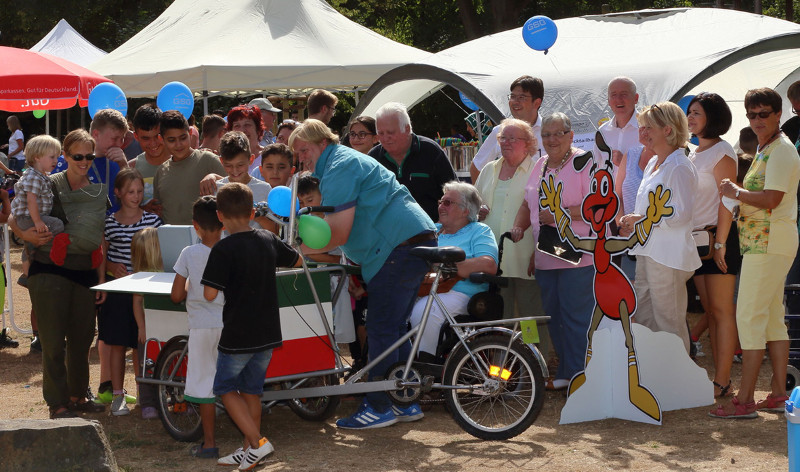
613, 293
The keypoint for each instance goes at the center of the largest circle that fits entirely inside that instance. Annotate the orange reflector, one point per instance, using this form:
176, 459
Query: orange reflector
494, 371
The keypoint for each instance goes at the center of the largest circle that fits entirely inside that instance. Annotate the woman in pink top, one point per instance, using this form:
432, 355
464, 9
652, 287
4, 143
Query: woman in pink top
566, 287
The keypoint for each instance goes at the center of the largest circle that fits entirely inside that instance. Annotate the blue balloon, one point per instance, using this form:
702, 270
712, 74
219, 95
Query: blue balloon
105, 96
540, 33
176, 96
684, 103
278, 200
466, 101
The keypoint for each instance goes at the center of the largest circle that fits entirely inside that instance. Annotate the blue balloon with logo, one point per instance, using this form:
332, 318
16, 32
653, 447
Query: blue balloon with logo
107, 96
176, 96
540, 33
279, 199
467, 102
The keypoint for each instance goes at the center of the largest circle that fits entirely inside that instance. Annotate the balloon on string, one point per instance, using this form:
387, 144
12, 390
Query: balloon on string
684, 103
540, 33
39, 113
467, 102
176, 96
278, 200
314, 231
105, 96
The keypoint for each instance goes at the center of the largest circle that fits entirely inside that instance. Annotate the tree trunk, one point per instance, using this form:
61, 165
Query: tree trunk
506, 14
469, 18
789, 10
757, 7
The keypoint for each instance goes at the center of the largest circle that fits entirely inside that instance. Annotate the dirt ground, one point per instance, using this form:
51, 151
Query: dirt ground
687, 440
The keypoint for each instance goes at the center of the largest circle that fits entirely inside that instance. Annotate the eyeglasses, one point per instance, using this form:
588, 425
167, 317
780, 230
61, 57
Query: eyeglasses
359, 135
517, 98
557, 134
503, 139
80, 157
763, 114
447, 202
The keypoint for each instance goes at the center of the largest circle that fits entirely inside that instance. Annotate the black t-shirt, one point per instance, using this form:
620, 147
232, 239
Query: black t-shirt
423, 171
242, 266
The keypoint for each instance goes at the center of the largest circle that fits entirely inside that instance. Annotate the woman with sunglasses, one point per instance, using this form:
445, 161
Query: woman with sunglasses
669, 256
458, 226
60, 295
362, 135
564, 284
767, 227
715, 160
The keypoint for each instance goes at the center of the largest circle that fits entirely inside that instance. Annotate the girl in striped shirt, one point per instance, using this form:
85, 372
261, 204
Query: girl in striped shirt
117, 326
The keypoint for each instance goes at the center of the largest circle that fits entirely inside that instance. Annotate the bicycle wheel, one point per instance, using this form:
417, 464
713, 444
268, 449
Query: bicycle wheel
508, 401
317, 408
180, 418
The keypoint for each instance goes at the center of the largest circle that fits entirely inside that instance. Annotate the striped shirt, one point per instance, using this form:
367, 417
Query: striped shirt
119, 236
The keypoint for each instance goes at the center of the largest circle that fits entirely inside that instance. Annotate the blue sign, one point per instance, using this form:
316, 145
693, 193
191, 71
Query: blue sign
466, 101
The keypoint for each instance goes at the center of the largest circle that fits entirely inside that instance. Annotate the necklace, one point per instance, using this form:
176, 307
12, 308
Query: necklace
761, 148
561, 164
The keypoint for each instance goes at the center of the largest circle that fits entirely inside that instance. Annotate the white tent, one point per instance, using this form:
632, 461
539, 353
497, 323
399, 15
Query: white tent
269, 46
669, 53
64, 42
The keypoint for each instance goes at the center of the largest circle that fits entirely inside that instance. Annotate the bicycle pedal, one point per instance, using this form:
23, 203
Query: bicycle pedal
427, 383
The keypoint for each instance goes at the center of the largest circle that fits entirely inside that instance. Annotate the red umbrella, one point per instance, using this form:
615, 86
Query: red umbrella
37, 81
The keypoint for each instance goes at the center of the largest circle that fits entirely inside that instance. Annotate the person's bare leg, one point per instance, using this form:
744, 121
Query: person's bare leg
751, 363
239, 411
117, 362
779, 358
208, 416
104, 353
722, 324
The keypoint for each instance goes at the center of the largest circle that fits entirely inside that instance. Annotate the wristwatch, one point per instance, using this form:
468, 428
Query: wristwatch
719, 245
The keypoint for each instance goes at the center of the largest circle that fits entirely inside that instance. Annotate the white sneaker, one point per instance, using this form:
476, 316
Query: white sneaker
253, 457
698, 349
234, 458
118, 406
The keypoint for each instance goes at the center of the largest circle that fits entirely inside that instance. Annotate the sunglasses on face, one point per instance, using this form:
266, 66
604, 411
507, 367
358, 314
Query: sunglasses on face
763, 114
80, 157
447, 202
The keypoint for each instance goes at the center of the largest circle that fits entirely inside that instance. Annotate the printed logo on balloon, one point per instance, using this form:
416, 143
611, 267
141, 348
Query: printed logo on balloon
107, 96
540, 33
176, 96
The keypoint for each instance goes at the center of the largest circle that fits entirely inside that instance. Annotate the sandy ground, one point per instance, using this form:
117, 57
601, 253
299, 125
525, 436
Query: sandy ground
687, 440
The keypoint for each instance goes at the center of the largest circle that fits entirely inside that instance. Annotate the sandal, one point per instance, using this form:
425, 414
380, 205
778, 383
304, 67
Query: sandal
746, 411
772, 404
723, 391
202, 452
61, 412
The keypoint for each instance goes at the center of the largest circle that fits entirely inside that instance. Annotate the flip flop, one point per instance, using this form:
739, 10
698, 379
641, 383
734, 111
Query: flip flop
201, 452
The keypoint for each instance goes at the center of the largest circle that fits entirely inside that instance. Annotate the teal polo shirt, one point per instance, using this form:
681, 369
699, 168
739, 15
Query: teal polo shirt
385, 213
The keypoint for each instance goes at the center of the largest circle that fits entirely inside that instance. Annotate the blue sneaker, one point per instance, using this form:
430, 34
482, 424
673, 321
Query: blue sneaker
408, 414
366, 417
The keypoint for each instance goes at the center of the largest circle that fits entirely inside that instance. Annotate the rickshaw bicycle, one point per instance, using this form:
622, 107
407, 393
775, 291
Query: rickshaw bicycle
493, 383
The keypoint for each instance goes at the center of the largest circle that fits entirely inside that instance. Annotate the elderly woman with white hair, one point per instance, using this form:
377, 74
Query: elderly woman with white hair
458, 226
565, 281
669, 256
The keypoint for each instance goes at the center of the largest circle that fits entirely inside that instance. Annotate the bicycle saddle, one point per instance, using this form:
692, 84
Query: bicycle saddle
445, 254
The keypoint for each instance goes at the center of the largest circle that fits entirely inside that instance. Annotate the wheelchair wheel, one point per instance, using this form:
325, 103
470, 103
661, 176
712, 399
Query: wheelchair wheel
180, 418
792, 378
508, 401
317, 408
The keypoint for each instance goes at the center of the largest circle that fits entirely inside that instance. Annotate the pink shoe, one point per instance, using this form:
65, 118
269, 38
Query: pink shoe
739, 411
773, 404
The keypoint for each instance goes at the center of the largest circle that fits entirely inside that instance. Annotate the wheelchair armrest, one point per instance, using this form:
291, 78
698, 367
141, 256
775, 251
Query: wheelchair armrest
484, 278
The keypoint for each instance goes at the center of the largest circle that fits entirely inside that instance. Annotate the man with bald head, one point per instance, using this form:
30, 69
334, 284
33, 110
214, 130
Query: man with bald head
621, 132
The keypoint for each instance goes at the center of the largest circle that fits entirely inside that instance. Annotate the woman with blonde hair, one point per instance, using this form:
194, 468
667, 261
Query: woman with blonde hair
669, 256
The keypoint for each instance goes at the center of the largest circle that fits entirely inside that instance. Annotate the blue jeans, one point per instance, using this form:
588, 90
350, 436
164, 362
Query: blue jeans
392, 292
568, 299
16, 164
242, 373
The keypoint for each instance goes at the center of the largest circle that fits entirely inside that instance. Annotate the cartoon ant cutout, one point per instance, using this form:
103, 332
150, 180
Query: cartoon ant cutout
613, 293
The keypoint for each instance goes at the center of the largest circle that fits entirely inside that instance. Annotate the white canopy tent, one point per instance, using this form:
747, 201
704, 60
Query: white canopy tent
669, 53
64, 42
269, 46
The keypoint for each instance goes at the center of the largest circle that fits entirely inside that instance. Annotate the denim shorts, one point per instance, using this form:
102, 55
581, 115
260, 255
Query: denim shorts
242, 373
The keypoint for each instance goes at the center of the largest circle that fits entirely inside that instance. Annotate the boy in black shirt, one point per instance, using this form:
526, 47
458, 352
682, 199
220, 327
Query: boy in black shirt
243, 266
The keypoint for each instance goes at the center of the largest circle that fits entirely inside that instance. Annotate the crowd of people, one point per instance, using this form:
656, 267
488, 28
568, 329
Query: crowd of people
87, 212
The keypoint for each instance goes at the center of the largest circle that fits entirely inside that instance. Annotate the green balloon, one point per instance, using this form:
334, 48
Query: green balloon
38, 113
314, 231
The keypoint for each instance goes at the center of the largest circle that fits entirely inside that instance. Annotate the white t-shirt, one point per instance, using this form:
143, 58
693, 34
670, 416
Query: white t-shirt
706, 200
13, 145
490, 149
618, 139
259, 188
190, 264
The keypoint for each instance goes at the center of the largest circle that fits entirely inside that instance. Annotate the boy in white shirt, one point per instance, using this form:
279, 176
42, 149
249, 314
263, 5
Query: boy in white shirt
205, 320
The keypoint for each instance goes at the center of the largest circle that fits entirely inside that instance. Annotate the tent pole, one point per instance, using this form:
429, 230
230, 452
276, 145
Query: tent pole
59, 113
205, 102
47, 122
357, 94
